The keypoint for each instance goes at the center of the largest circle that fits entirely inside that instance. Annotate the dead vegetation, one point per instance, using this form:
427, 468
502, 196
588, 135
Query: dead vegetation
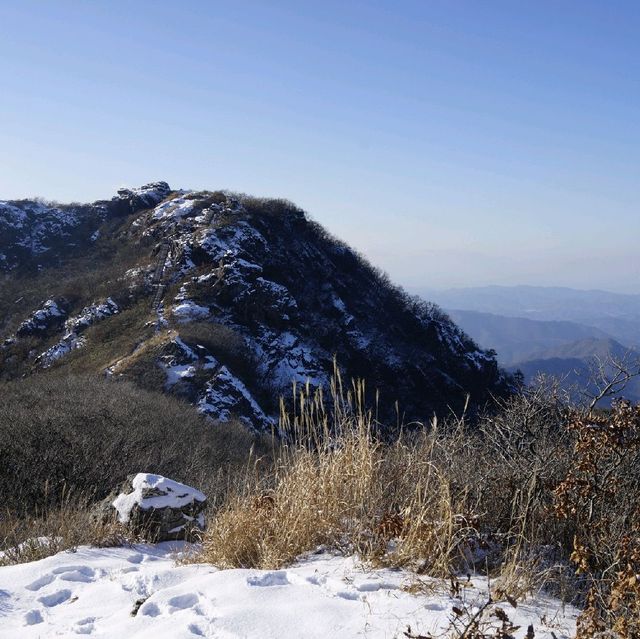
538, 494
64, 525
538, 490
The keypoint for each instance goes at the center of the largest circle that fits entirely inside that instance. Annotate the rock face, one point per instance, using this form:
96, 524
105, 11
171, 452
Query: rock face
158, 508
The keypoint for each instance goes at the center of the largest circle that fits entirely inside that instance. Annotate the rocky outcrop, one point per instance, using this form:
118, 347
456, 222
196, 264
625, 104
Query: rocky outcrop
157, 508
74, 326
143, 197
49, 316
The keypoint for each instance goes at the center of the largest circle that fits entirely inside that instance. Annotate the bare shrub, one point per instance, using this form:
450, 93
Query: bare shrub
600, 494
86, 434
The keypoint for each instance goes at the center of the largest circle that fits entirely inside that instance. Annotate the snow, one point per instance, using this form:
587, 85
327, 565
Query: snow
12, 216
75, 325
177, 372
68, 343
148, 194
188, 310
286, 358
172, 209
139, 592
91, 314
224, 394
155, 491
231, 241
179, 365
34, 223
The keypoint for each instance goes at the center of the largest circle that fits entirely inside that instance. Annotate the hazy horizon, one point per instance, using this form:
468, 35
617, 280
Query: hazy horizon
454, 145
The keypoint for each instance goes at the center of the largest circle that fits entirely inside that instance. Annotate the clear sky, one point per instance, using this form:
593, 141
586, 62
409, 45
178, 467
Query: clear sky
454, 143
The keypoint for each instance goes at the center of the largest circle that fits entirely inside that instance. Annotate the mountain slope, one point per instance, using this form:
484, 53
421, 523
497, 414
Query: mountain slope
223, 300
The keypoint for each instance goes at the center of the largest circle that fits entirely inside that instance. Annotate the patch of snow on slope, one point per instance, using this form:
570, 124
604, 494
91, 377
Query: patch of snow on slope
147, 195
285, 358
12, 216
91, 314
180, 363
188, 311
75, 326
224, 393
68, 343
177, 372
33, 223
41, 319
231, 241
139, 592
175, 208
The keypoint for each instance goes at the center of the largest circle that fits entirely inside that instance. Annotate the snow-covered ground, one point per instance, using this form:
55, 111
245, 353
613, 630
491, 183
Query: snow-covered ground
142, 592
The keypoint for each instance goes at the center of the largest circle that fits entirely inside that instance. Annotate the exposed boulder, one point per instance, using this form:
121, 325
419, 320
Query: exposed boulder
158, 508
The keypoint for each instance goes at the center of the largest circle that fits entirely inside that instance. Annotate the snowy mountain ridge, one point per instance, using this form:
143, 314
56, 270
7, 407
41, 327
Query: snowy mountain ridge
227, 300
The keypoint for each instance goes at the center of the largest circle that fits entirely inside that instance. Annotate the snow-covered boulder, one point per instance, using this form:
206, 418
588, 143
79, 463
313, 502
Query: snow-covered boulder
158, 508
188, 310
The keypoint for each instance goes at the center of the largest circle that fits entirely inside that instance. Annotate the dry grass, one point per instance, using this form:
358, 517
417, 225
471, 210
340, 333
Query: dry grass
62, 527
334, 484
448, 500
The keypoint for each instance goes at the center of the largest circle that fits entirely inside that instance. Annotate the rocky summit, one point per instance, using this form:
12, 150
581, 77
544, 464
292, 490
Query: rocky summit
225, 300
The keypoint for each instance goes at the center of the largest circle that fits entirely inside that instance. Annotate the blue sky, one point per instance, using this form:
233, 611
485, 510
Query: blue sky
454, 143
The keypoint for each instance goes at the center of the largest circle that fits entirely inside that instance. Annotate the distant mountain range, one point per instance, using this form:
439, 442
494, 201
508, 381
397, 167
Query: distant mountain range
615, 314
555, 331
518, 339
572, 363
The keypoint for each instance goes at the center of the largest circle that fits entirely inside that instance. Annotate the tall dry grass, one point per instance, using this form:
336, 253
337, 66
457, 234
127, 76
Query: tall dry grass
334, 484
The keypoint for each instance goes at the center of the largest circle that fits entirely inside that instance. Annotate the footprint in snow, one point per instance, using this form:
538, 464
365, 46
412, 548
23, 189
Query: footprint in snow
374, 586
84, 626
181, 602
32, 617
149, 609
40, 582
276, 578
82, 574
135, 559
136, 583
55, 599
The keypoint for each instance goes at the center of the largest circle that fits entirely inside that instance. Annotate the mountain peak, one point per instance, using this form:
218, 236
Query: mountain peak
225, 300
